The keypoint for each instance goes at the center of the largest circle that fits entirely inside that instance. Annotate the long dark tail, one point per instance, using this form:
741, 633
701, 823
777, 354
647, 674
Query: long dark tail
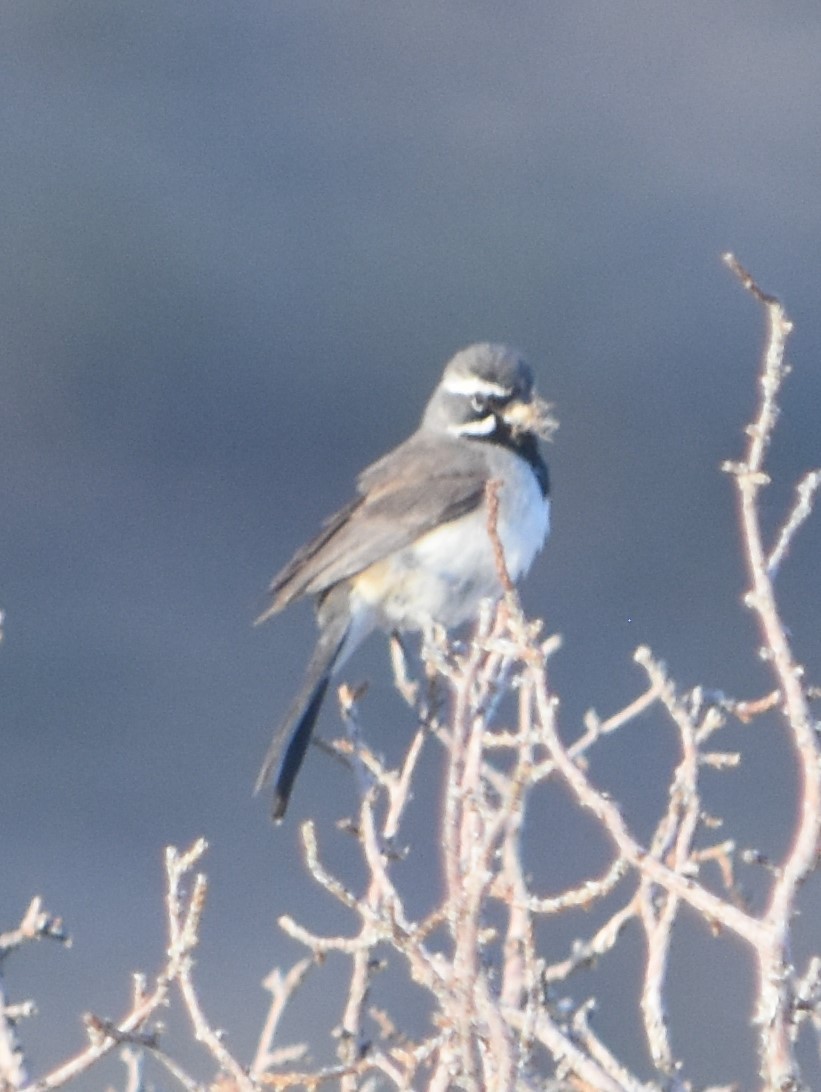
294, 734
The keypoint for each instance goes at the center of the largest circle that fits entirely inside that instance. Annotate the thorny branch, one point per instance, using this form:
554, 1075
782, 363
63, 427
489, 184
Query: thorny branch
500, 1011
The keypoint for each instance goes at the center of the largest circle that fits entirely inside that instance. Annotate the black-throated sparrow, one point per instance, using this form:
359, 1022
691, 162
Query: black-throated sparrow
413, 549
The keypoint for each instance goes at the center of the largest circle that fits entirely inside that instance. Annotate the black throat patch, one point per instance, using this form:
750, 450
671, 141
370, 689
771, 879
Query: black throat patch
523, 444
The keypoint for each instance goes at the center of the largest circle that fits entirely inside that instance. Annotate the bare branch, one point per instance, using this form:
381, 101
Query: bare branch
36, 924
282, 989
804, 498
502, 1017
775, 1010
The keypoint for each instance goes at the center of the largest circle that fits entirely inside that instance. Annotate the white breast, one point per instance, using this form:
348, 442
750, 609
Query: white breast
524, 518
446, 574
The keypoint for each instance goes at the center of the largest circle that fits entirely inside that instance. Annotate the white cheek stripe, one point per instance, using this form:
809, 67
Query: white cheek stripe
471, 385
483, 427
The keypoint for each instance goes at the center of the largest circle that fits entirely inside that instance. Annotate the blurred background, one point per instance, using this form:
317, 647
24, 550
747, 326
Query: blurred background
239, 242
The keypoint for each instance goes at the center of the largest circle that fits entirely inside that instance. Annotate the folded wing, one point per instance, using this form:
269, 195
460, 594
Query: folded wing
411, 490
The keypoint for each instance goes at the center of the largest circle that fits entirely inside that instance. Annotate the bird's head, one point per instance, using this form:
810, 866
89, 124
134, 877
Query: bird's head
486, 389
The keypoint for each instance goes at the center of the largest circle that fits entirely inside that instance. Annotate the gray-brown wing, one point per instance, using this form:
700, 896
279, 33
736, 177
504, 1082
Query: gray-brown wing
422, 483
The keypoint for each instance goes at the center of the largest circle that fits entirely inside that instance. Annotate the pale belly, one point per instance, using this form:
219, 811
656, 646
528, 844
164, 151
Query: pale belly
444, 576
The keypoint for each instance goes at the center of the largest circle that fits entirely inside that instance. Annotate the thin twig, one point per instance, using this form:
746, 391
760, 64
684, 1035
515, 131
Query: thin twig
804, 498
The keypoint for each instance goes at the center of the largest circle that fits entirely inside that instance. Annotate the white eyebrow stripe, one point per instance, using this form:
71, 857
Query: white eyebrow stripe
472, 385
483, 427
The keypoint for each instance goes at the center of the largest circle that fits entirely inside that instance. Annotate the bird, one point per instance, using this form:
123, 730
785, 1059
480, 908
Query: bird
413, 549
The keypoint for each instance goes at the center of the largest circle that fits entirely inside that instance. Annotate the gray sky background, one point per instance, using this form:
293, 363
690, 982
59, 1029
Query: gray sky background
239, 241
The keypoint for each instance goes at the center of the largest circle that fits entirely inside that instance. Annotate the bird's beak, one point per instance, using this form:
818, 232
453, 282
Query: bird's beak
534, 416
